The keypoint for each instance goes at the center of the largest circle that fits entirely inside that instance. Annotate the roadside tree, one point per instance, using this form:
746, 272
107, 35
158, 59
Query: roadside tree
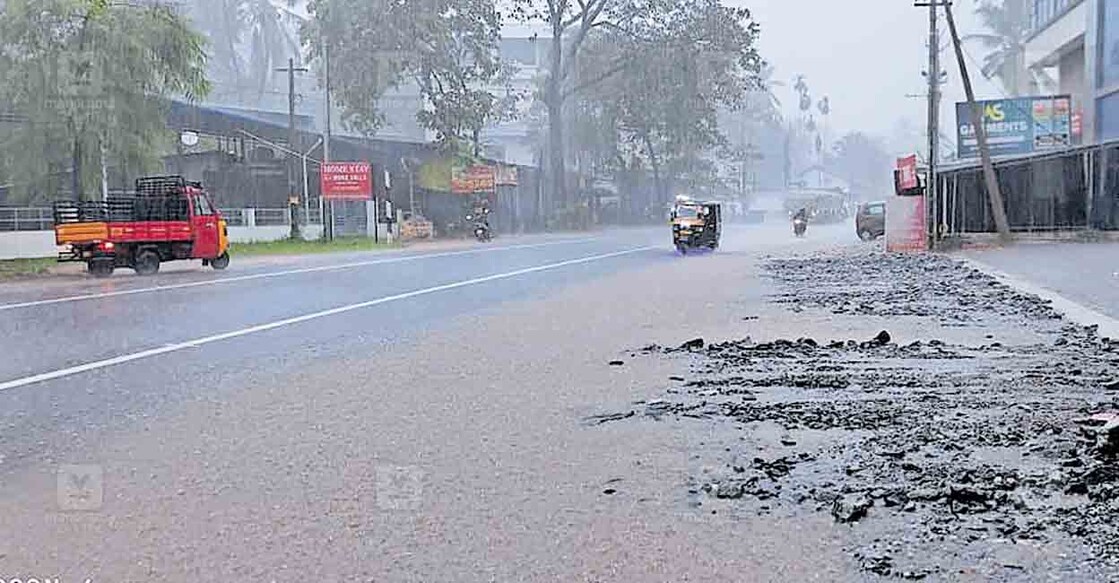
664, 81
86, 82
448, 49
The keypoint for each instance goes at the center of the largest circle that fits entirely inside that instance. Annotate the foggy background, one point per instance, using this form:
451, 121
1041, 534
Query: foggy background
867, 56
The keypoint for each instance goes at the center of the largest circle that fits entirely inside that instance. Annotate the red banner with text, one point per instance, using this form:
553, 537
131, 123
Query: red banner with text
347, 181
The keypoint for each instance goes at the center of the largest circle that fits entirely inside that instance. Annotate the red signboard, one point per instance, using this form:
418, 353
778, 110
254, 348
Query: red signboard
347, 181
907, 173
473, 179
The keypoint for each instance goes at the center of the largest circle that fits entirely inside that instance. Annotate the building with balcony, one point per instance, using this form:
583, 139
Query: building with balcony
1076, 43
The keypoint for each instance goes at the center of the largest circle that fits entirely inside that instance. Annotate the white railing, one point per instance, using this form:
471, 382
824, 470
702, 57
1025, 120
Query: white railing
26, 218
14, 218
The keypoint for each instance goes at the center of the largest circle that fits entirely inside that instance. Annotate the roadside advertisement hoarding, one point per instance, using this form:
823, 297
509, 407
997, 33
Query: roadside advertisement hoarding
506, 175
905, 224
346, 181
907, 173
473, 179
1016, 126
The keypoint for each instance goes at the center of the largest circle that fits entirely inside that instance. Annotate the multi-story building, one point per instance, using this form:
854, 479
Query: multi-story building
1078, 40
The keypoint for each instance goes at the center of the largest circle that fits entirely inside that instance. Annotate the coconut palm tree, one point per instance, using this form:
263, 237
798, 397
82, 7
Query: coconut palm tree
273, 39
1007, 24
768, 83
223, 23
249, 40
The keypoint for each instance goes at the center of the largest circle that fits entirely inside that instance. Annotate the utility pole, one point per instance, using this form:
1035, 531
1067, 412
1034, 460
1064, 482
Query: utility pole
292, 138
994, 194
326, 79
327, 222
933, 76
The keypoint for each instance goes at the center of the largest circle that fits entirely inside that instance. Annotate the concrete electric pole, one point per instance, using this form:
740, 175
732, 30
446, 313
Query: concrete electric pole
934, 79
292, 138
327, 221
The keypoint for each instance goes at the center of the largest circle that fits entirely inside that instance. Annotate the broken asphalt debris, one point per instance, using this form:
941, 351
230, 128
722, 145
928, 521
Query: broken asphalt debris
950, 448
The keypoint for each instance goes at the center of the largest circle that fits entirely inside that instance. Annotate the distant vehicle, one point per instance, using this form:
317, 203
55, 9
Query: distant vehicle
696, 225
480, 221
166, 219
824, 206
870, 220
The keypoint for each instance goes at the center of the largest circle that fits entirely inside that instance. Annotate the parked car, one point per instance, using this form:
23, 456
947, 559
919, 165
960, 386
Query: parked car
870, 220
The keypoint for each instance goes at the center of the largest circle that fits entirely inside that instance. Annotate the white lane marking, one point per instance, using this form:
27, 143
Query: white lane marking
271, 274
1074, 311
65, 372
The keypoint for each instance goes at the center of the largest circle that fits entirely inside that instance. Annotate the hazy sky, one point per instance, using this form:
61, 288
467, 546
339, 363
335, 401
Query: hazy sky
866, 55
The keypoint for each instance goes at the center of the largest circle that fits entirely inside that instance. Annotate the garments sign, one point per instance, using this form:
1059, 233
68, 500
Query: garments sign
1016, 126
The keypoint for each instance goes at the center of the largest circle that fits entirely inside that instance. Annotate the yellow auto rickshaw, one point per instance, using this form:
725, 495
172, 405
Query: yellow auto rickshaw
696, 225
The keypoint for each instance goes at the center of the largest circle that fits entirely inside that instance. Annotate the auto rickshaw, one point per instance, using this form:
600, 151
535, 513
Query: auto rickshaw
696, 225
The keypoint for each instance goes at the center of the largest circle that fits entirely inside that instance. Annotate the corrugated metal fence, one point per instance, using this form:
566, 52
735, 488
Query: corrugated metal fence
1074, 189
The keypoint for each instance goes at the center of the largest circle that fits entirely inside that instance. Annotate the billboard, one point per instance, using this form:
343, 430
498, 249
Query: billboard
346, 181
907, 173
905, 224
472, 179
1016, 126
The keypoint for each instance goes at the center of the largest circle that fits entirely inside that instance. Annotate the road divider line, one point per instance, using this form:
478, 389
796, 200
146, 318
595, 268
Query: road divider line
301, 271
125, 358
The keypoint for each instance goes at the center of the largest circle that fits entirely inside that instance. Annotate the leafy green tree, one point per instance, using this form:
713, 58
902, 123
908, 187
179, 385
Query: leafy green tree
570, 23
666, 78
89, 81
865, 162
447, 48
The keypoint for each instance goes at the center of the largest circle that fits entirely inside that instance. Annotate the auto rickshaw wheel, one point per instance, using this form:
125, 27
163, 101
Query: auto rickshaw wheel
220, 262
146, 262
866, 235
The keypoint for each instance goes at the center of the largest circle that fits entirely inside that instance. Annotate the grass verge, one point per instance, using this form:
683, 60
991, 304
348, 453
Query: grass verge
18, 268
297, 247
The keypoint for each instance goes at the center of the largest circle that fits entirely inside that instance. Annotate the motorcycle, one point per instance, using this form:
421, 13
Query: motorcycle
799, 227
482, 230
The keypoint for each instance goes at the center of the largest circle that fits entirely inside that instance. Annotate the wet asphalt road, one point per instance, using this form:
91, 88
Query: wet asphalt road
126, 346
238, 431
1086, 273
490, 414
